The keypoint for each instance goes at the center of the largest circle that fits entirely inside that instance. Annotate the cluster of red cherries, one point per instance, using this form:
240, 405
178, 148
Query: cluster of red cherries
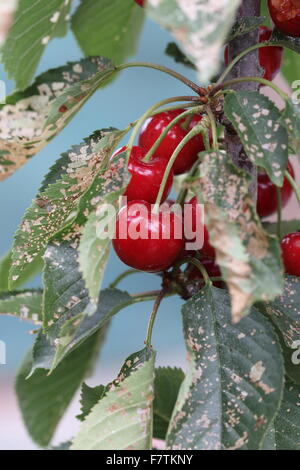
158, 252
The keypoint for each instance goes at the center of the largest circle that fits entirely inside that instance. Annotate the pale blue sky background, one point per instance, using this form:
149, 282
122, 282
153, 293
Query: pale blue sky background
126, 99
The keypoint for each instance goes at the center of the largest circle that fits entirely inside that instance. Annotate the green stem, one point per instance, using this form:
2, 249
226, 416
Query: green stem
238, 58
153, 317
177, 119
293, 184
195, 262
122, 276
149, 112
260, 80
279, 213
213, 128
196, 130
163, 69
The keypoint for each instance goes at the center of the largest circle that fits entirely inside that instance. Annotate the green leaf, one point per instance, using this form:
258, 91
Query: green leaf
115, 27
250, 259
56, 205
36, 22
176, 53
234, 384
244, 26
43, 399
284, 312
68, 333
64, 446
30, 119
257, 122
201, 26
287, 422
166, 387
122, 419
287, 226
280, 39
291, 66
5, 265
26, 304
290, 119
89, 398
99, 229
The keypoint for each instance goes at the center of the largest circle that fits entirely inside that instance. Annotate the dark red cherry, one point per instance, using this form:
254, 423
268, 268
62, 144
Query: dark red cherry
286, 16
207, 249
213, 270
267, 194
153, 128
140, 2
290, 246
147, 241
146, 177
270, 58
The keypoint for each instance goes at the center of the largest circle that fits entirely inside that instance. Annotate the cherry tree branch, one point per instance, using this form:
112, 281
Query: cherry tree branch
247, 66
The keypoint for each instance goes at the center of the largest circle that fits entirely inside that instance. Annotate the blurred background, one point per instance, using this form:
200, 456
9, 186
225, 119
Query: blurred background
123, 101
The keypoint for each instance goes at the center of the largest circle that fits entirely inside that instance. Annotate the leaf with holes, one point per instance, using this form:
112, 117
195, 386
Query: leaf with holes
36, 22
31, 118
257, 122
250, 258
5, 266
41, 415
116, 26
166, 387
26, 305
201, 26
57, 204
234, 384
284, 312
126, 404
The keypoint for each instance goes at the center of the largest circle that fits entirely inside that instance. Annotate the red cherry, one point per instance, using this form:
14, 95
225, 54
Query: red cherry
267, 194
270, 58
147, 241
207, 249
290, 246
286, 16
140, 2
213, 270
153, 128
146, 177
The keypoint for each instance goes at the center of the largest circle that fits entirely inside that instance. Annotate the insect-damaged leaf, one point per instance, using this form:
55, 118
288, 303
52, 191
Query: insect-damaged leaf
57, 203
201, 26
249, 258
284, 312
31, 118
287, 422
126, 404
36, 22
257, 122
116, 27
72, 328
234, 383
26, 304
43, 399
290, 119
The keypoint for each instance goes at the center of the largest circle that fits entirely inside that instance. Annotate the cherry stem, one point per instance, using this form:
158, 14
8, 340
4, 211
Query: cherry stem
199, 90
261, 80
293, 184
122, 276
150, 111
152, 318
200, 266
279, 213
214, 129
177, 119
199, 128
238, 58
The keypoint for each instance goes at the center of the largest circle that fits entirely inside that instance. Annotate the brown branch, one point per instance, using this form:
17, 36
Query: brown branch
248, 66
